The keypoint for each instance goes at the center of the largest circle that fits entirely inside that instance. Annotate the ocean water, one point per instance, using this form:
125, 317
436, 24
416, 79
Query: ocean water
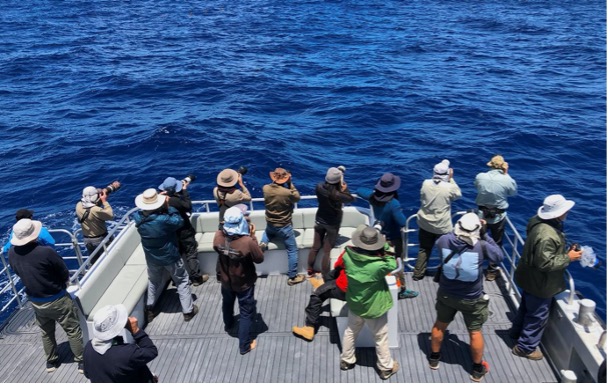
92, 91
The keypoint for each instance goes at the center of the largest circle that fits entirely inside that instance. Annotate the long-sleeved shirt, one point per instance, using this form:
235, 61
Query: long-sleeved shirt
279, 202
390, 214
94, 224
493, 189
435, 213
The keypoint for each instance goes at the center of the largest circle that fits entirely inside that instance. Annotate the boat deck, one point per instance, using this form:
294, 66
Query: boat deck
200, 351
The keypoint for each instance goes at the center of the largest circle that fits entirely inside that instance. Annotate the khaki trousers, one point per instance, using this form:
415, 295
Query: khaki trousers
379, 328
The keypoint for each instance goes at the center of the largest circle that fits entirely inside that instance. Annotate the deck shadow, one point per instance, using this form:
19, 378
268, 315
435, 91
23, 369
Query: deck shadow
453, 350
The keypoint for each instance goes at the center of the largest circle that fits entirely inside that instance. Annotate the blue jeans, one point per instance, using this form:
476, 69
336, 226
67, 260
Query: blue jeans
246, 309
286, 233
180, 278
530, 321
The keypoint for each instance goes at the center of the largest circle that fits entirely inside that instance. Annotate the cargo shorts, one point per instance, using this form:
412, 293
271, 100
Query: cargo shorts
474, 311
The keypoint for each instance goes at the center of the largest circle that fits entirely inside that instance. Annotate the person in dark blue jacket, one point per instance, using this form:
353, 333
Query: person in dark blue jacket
387, 209
108, 359
157, 224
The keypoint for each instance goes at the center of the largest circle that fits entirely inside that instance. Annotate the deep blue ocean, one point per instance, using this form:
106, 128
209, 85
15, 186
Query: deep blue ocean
93, 91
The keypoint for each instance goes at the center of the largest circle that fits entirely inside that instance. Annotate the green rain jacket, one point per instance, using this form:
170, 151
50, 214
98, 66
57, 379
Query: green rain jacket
367, 294
540, 271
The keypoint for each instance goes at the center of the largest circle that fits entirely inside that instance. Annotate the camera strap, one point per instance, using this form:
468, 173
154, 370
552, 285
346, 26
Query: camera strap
87, 211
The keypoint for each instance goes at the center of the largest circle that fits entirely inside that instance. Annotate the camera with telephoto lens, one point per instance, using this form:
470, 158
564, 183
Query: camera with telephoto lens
242, 170
112, 187
188, 179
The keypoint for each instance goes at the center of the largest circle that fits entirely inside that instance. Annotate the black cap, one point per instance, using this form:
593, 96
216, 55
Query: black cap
24, 214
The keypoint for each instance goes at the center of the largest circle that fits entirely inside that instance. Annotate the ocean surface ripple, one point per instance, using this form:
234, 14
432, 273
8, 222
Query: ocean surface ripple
140, 90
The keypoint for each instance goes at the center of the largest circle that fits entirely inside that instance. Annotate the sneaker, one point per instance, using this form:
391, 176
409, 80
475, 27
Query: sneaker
344, 366
407, 294
310, 272
252, 346
534, 355
384, 375
81, 367
51, 367
297, 279
189, 316
477, 375
491, 275
150, 315
306, 332
202, 279
263, 246
434, 358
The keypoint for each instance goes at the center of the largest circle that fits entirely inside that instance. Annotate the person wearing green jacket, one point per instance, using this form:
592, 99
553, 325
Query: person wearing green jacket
368, 297
540, 274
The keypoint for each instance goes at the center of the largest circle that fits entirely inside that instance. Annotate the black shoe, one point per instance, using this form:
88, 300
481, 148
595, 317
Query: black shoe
478, 374
417, 278
189, 316
150, 315
344, 366
434, 359
200, 280
81, 367
52, 367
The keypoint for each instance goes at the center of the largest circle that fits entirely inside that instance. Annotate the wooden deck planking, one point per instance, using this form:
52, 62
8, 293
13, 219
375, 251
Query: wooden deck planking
200, 350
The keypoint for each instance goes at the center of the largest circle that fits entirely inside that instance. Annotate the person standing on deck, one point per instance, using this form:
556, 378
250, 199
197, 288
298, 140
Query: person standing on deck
108, 359
387, 209
331, 195
540, 273
368, 297
44, 238
227, 194
279, 199
45, 276
238, 250
435, 213
179, 198
157, 224
493, 189
92, 212
460, 289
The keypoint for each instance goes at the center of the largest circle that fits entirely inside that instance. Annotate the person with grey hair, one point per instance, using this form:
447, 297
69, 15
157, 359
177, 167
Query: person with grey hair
45, 275
108, 359
434, 218
540, 273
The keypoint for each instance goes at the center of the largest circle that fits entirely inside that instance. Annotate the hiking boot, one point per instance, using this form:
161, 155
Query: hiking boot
407, 294
478, 373
263, 246
252, 346
384, 375
297, 279
200, 280
491, 275
150, 315
534, 355
189, 316
434, 358
81, 367
306, 332
51, 367
316, 282
344, 366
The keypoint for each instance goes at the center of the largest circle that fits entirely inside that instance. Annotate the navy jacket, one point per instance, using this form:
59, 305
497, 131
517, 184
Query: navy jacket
122, 363
159, 236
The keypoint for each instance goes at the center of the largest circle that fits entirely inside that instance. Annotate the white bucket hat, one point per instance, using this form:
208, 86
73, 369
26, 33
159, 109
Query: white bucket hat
109, 321
150, 200
368, 238
554, 206
25, 231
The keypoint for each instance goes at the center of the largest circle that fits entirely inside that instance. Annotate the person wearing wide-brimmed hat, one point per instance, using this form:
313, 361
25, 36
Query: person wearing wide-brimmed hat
108, 359
157, 225
368, 297
540, 273
179, 198
279, 199
493, 189
227, 194
44, 238
462, 253
387, 209
434, 218
44, 275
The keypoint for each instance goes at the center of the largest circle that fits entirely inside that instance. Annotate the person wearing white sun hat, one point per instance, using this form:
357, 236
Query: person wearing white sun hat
540, 273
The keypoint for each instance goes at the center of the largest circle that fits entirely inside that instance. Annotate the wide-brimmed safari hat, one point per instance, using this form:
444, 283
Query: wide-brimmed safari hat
150, 200
109, 321
368, 238
554, 206
25, 231
227, 178
171, 184
280, 175
388, 183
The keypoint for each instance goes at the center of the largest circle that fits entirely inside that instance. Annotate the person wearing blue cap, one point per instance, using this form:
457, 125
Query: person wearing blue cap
179, 198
